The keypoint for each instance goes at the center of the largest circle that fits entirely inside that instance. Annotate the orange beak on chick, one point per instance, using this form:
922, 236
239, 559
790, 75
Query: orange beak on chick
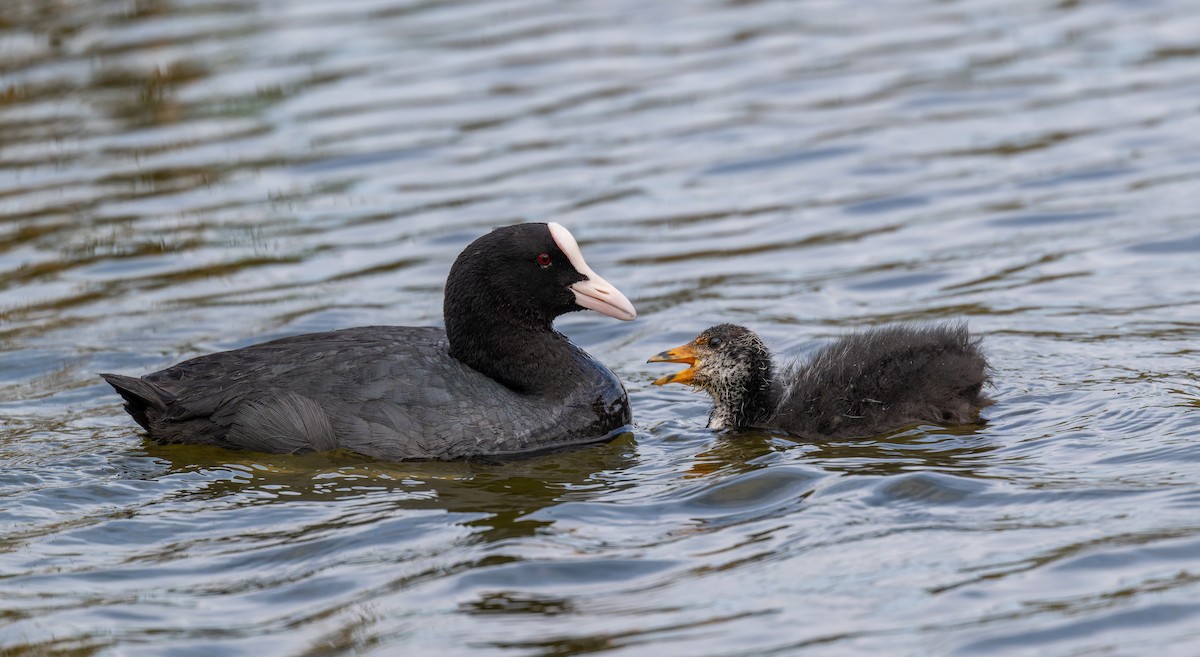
685, 354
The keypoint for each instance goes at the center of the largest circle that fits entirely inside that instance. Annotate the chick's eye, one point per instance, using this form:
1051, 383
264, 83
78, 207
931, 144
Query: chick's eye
544, 260
714, 342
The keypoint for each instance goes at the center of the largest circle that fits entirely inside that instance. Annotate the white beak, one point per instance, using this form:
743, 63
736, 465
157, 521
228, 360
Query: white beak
594, 292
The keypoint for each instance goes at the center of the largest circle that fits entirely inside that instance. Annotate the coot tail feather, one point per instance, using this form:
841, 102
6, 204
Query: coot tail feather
141, 397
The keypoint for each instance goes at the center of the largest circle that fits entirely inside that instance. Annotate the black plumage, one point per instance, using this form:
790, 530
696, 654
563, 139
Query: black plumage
498, 380
865, 383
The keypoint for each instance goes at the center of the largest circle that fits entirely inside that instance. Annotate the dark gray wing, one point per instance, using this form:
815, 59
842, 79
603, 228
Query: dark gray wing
386, 392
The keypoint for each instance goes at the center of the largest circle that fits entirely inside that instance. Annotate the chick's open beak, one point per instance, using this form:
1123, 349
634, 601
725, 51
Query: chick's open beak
685, 354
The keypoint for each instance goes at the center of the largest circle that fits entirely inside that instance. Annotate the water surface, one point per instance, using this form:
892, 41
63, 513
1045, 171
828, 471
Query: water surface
184, 176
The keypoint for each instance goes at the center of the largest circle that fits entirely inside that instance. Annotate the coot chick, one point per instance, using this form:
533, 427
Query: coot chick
865, 383
498, 380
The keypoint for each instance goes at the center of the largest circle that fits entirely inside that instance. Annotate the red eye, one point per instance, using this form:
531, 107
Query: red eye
544, 260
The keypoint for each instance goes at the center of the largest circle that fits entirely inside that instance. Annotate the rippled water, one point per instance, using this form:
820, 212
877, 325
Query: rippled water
183, 176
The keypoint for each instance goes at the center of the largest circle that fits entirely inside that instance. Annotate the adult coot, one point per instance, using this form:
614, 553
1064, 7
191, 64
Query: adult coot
498, 380
865, 383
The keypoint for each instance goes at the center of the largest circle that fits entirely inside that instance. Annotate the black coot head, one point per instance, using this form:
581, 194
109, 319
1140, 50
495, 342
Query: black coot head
722, 358
531, 270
